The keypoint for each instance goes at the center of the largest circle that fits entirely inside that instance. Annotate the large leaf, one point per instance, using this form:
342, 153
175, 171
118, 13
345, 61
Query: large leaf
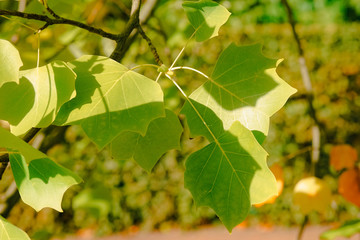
10, 232
244, 87
206, 17
10, 62
53, 85
230, 173
162, 135
41, 182
110, 99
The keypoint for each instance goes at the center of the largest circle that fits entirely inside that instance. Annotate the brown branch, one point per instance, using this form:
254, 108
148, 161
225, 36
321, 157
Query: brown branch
60, 20
151, 46
133, 22
4, 159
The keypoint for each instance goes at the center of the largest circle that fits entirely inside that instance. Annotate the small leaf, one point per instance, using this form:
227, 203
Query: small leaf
230, 173
10, 62
206, 17
53, 84
41, 182
346, 230
10, 232
162, 135
110, 99
343, 156
349, 186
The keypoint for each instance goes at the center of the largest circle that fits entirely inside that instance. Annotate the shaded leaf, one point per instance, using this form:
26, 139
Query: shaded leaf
53, 85
230, 173
97, 201
346, 230
206, 17
10, 62
10, 232
244, 87
110, 99
343, 156
41, 182
349, 186
163, 134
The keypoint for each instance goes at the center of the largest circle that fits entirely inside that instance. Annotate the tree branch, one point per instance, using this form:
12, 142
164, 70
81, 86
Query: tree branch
151, 46
60, 20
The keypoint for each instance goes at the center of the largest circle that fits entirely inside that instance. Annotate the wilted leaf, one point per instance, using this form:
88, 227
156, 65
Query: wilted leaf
343, 156
349, 186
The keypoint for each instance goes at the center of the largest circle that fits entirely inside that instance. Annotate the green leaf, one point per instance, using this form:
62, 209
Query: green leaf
10, 232
10, 62
206, 17
110, 99
346, 230
230, 173
162, 135
53, 85
97, 201
244, 87
41, 182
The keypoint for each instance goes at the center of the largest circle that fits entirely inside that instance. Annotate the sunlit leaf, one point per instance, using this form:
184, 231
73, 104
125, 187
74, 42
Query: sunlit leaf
52, 84
110, 99
10, 62
244, 87
206, 17
162, 135
10, 232
343, 156
230, 173
41, 182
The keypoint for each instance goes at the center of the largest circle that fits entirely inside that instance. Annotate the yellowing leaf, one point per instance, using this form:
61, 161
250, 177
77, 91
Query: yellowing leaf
312, 194
343, 156
10, 232
10, 62
349, 186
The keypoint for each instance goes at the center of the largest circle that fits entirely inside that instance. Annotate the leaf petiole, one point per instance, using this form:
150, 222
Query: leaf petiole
191, 69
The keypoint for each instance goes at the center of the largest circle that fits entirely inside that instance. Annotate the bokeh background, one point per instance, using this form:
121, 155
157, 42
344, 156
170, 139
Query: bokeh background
119, 195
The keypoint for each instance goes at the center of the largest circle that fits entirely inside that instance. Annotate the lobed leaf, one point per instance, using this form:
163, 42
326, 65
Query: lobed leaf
11, 232
110, 99
230, 173
244, 87
10, 63
162, 135
206, 17
41, 182
42, 92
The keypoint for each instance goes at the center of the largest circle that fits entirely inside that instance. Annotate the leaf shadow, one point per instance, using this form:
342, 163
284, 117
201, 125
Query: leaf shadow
16, 100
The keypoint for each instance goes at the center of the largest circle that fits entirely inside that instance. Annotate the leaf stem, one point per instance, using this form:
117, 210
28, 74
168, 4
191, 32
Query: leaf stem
178, 87
191, 69
182, 50
144, 65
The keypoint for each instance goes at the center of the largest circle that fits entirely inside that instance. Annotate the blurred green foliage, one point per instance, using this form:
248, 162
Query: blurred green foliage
117, 195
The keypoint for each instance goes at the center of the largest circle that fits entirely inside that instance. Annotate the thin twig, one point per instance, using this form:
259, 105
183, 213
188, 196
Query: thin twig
151, 46
302, 227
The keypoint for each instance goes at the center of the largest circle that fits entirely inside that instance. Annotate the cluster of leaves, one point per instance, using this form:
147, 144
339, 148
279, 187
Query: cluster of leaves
123, 110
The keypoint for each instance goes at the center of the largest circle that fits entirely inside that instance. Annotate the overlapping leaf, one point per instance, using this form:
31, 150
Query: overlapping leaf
206, 17
10, 62
244, 87
110, 99
162, 135
230, 173
39, 96
10, 232
41, 182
